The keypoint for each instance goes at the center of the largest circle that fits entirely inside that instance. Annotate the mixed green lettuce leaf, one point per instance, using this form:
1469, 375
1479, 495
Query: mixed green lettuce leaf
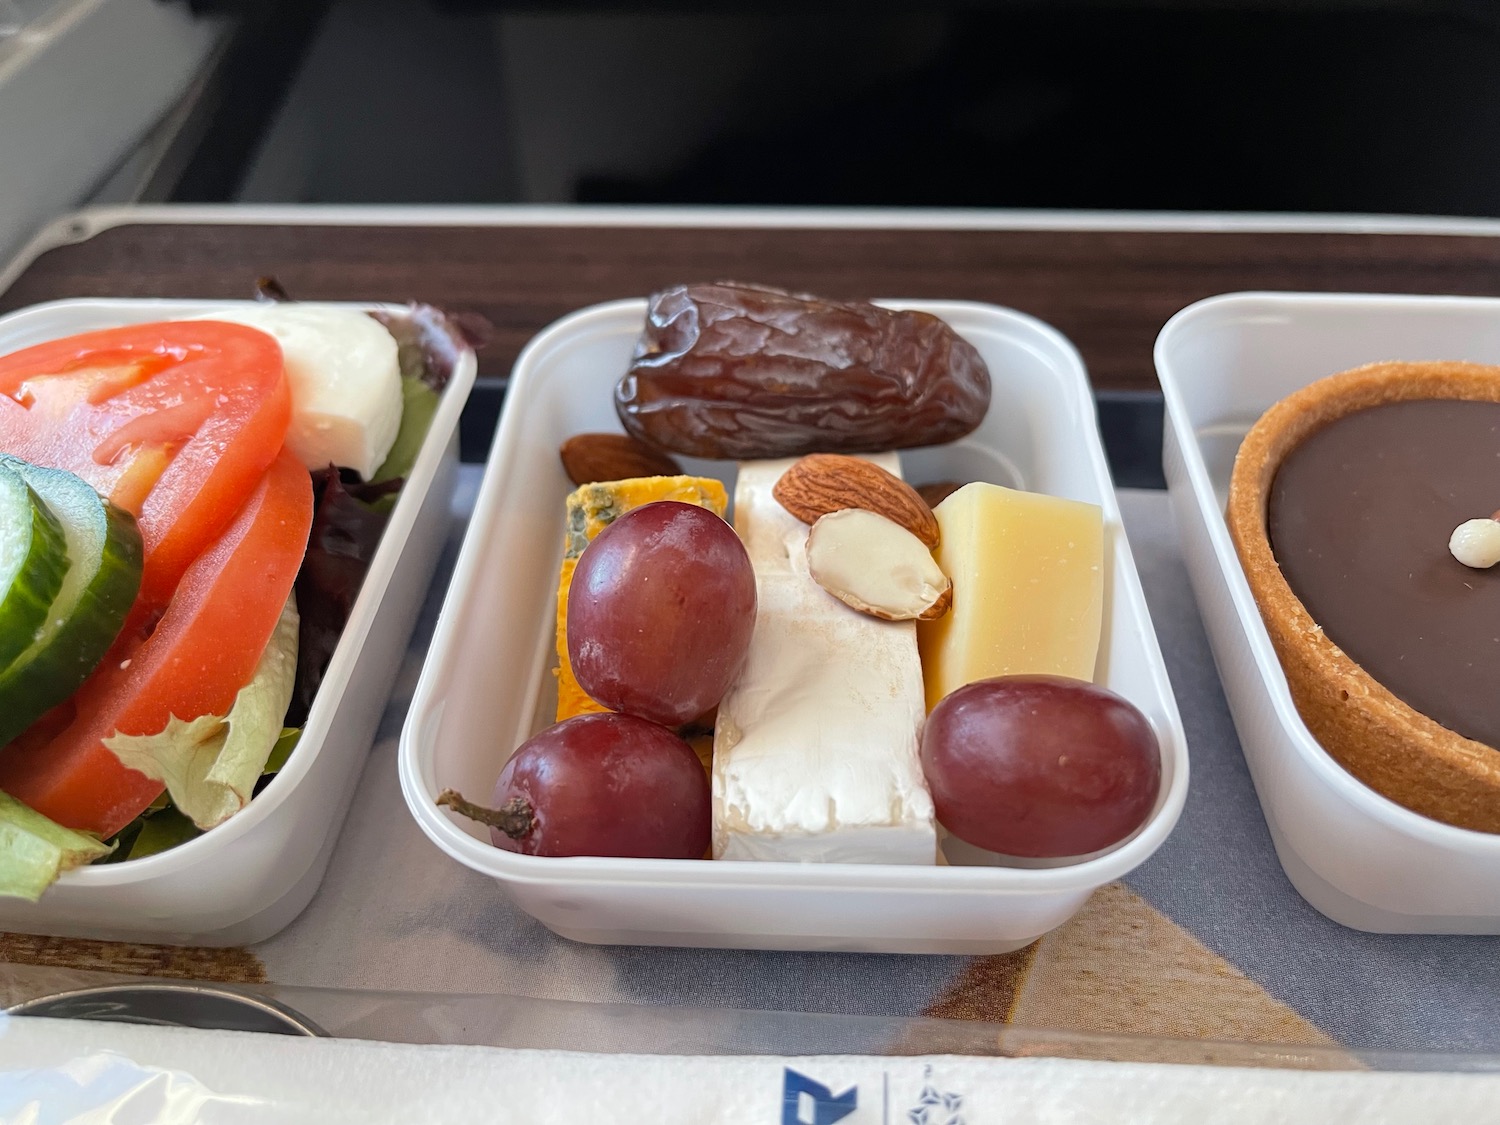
34, 850
210, 764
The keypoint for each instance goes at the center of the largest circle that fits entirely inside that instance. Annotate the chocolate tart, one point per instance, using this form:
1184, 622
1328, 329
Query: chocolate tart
1382, 740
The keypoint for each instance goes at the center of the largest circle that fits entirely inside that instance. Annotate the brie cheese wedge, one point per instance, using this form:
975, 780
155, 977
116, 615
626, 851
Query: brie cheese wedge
815, 746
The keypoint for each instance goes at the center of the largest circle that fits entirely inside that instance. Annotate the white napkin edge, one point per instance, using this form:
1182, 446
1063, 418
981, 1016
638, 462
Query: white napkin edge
93, 1071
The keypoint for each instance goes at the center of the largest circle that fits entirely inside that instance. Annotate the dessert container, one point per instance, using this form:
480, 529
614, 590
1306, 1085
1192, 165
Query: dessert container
486, 685
246, 879
1358, 857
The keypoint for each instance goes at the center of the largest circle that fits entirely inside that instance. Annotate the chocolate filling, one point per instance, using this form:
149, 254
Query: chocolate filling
1359, 519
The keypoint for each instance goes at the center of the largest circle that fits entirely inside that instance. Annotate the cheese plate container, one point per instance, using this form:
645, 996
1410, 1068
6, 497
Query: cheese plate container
1357, 856
244, 880
487, 683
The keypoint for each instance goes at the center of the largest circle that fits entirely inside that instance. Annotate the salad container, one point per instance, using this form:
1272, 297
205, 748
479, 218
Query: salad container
1360, 858
487, 683
246, 879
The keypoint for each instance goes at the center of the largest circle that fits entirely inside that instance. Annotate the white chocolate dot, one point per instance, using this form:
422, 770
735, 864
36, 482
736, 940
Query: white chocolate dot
1476, 543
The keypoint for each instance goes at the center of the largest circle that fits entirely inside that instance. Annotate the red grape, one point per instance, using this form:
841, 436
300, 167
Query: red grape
1041, 766
660, 612
600, 784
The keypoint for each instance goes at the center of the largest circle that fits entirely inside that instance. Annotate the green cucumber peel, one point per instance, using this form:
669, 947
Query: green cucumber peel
33, 563
103, 576
210, 764
34, 850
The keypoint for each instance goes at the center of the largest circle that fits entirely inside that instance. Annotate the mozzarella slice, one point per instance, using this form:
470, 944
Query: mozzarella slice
815, 746
345, 380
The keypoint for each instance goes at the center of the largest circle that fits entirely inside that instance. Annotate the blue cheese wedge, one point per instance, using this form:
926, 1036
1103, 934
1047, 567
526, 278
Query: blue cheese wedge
815, 747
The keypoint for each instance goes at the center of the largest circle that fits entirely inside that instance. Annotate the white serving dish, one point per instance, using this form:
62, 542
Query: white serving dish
486, 685
1360, 858
246, 879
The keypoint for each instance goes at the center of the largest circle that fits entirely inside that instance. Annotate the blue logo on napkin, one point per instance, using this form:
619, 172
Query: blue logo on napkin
934, 1106
805, 1102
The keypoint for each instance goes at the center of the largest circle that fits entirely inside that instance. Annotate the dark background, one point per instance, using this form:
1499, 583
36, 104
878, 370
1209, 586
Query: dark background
1301, 106
1370, 107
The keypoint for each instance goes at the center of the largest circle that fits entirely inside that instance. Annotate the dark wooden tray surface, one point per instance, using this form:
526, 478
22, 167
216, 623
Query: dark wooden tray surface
1109, 291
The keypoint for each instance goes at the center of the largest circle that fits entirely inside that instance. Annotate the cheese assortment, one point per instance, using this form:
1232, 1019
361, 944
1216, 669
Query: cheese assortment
871, 671
815, 749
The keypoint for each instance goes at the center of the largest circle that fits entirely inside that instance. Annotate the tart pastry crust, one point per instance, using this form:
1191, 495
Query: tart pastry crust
1394, 749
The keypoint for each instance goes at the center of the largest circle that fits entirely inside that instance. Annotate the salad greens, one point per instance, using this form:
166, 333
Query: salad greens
350, 515
210, 765
162, 827
34, 851
419, 403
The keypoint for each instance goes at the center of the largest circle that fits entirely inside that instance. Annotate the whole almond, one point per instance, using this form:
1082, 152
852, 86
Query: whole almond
590, 458
829, 482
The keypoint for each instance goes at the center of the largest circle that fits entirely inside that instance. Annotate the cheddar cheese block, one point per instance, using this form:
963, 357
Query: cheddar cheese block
1028, 588
591, 508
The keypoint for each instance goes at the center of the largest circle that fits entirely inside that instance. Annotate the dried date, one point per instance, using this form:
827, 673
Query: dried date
727, 370
937, 491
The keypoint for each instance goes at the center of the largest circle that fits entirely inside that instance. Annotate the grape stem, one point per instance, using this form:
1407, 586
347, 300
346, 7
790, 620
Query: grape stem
515, 818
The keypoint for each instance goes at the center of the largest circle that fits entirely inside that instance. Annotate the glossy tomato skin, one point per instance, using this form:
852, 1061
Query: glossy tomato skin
660, 612
608, 785
1040, 766
201, 652
176, 422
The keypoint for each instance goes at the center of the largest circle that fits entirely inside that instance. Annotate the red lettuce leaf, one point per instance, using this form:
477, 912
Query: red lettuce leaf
346, 531
430, 340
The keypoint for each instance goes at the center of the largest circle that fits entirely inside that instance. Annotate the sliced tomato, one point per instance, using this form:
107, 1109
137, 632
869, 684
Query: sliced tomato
203, 650
175, 422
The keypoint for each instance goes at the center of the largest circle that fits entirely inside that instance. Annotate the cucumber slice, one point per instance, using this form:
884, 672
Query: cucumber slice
104, 575
33, 561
